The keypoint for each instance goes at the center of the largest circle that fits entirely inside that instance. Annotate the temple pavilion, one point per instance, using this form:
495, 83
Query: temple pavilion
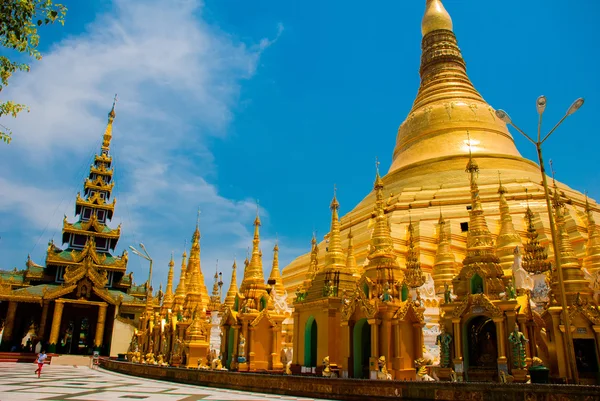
83, 299
480, 236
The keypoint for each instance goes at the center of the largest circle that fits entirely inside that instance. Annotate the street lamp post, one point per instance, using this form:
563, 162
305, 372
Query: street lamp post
541, 106
144, 254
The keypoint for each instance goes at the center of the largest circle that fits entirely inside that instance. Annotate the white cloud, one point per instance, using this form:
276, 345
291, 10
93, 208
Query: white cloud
178, 79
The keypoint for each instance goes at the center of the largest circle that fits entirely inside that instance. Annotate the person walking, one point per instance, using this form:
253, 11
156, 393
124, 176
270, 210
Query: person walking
41, 358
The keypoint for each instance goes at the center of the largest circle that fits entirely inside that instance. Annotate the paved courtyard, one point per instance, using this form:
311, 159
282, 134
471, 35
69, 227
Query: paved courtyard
19, 383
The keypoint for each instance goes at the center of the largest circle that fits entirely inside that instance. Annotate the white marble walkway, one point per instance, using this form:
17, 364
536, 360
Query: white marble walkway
19, 383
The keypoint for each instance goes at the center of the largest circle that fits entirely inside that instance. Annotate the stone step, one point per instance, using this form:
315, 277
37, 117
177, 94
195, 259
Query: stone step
71, 360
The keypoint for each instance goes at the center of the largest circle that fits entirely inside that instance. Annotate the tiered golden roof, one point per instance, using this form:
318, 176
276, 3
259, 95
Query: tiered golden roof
194, 267
444, 267
508, 238
382, 254
481, 257
414, 277
573, 277
591, 261
535, 257
333, 278
215, 297
253, 285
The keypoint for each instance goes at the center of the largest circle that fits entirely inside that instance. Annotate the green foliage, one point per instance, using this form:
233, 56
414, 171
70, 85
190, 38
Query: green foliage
19, 22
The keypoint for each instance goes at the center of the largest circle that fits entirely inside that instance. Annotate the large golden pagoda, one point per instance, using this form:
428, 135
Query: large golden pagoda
427, 171
450, 120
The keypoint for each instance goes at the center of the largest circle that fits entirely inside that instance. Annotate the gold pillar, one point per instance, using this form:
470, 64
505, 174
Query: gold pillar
56, 318
9, 323
396, 354
42, 326
457, 339
373, 361
501, 339
296, 338
100, 325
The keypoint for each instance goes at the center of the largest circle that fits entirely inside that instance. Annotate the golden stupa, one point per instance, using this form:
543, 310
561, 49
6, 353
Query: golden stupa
448, 118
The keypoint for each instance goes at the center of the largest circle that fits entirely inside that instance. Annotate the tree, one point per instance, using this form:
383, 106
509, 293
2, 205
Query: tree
19, 22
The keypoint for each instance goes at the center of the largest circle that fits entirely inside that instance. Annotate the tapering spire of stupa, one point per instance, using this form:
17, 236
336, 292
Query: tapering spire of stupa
169, 296
591, 261
335, 255
194, 265
181, 289
350, 258
573, 277
233, 288
413, 275
254, 276
508, 238
444, 266
275, 276
108, 131
446, 104
381, 254
535, 257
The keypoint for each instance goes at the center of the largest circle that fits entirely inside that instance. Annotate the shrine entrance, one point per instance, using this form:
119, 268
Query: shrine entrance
77, 331
361, 349
310, 343
481, 355
586, 358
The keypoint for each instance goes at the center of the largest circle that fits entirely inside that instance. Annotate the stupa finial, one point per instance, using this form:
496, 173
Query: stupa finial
436, 17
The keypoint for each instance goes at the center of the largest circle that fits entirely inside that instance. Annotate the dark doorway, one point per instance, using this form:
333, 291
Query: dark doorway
310, 343
586, 357
362, 349
481, 363
78, 327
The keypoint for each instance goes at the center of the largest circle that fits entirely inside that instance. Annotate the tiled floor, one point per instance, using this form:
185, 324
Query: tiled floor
19, 383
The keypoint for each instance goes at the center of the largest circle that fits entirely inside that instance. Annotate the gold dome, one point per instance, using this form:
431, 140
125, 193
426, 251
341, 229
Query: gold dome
436, 17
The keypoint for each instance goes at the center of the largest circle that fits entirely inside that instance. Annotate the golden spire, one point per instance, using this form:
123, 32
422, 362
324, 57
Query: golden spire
254, 276
436, 17
508, 238
592, 259
573, 277
195, 266
381, 254
444, 266
313, 267
335, 255
535, 257
275, 276
350, 259
215, 298
168, 299
233, 288
479, 236
181, 290
108, 131
481, 255
413, 276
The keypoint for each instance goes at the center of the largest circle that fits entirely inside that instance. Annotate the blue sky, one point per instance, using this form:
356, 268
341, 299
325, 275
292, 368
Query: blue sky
224, 102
